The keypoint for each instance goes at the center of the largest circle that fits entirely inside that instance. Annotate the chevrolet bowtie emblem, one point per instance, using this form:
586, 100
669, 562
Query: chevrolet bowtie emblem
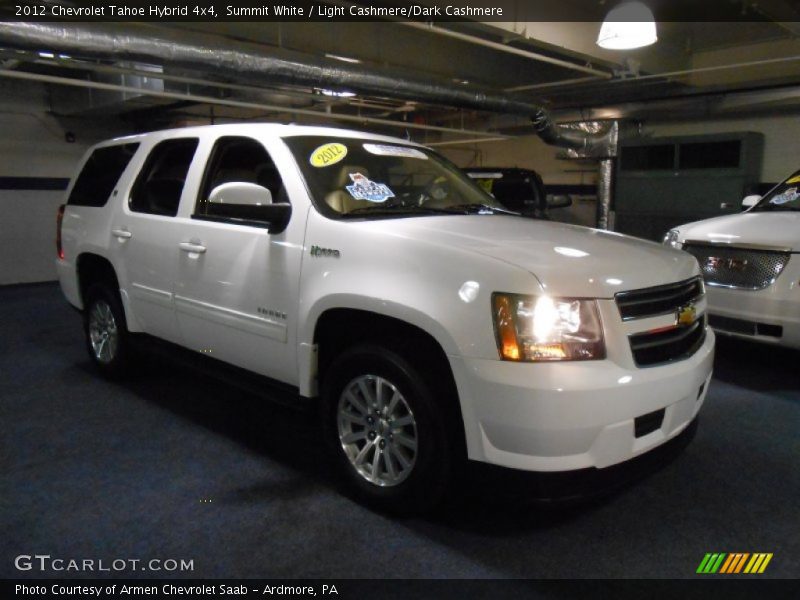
687, 314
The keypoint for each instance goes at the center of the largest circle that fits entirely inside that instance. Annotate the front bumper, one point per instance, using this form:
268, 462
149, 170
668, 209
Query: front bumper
776, 305
569, 416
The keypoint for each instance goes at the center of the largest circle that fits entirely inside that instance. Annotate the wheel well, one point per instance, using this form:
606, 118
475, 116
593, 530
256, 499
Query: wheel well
340, 328
95, 269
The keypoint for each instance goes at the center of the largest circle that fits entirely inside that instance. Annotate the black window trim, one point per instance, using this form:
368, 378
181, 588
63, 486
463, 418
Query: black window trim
145, 167
204, 180
133, 145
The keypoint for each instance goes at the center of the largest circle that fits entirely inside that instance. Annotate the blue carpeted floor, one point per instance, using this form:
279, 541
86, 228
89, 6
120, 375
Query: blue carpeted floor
176, 465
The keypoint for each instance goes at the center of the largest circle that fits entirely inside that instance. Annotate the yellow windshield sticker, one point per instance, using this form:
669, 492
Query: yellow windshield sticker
327, 155
795, 179
486, 184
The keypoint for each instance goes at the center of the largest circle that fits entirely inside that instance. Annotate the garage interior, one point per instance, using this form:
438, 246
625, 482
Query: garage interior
162, 465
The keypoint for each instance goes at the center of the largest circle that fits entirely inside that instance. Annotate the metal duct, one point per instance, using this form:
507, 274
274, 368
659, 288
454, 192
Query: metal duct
252, 63
584, 139
605, 175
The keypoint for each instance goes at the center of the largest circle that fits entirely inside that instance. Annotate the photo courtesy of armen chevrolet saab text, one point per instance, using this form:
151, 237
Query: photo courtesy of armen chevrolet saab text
370, 276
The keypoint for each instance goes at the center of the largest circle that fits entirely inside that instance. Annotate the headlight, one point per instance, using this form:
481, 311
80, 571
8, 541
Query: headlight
671, 239
541, 328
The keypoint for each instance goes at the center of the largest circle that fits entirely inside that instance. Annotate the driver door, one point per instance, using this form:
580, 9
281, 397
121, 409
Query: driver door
234, 279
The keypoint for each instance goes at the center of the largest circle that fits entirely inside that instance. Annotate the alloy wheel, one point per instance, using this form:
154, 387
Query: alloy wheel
377, 430
103, 334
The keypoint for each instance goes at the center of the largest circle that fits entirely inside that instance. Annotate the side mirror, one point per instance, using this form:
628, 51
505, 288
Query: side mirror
240, 192
559, 201
242, 203
750, 200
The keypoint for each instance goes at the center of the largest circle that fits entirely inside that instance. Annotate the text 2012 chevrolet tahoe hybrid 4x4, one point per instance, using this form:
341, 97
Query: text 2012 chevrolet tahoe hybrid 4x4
371, 274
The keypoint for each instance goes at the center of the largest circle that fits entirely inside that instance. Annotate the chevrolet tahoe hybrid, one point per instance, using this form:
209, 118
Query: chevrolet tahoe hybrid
368, 274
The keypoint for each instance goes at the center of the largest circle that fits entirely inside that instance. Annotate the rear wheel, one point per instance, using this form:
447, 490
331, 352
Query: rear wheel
106, 333
386, 429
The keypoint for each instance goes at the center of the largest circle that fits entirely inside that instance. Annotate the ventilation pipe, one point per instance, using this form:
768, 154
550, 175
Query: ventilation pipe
252, 63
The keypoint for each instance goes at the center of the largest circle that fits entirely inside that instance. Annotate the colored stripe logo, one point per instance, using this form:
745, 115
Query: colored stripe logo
733, 563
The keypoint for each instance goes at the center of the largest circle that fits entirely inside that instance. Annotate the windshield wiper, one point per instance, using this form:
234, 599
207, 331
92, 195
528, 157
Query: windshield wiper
455, 209
470, 208
776, 208
390, 210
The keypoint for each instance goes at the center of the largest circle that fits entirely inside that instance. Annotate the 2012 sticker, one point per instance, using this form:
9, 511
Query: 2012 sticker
371, 191
485, 184
327, 155
795, 179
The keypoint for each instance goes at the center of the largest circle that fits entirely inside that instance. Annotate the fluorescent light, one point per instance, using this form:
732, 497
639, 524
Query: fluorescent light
47, 55
628, 25
346, 59
336, 94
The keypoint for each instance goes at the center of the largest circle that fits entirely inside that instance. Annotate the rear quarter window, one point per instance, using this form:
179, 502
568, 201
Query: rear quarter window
100, 175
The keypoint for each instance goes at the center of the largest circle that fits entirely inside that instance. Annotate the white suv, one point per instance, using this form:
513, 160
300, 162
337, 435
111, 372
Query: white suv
368, 274
750, 264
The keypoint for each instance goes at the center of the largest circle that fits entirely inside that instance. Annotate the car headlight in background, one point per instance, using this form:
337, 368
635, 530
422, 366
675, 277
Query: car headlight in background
541, 328
671, 239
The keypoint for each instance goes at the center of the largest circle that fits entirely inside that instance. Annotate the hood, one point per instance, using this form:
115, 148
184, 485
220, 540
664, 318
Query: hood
780, 229
567, 260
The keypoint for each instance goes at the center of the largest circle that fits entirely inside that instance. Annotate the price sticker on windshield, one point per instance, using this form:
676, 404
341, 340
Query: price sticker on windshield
387, 150
327, 155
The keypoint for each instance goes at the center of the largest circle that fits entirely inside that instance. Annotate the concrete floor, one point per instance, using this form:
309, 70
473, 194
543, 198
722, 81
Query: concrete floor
176, 465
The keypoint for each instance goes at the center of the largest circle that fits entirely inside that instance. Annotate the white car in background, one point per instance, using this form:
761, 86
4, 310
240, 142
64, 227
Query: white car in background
751, 266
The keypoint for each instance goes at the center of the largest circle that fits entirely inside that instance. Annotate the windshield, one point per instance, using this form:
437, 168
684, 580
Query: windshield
352, 177
783, 197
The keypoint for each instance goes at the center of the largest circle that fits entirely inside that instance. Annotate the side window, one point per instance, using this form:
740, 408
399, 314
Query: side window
100, 174
238, 160
158, 188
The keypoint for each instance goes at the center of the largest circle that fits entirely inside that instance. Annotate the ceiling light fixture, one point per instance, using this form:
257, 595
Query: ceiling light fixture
346, 59
628, 25
336, 94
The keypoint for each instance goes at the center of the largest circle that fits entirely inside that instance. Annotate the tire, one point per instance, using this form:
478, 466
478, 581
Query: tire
106, 333
399, 461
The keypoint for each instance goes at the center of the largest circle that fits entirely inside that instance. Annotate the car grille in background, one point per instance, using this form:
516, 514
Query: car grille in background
658, 300
737, 267
666, 344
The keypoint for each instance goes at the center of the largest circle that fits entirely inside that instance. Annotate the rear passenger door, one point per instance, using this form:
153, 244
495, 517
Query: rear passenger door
236, 281
145, 234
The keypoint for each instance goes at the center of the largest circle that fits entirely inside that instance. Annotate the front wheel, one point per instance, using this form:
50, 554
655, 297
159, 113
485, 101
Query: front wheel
386, 430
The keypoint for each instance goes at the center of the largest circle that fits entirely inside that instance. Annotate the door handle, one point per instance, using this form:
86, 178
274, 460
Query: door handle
122, 234
190, 247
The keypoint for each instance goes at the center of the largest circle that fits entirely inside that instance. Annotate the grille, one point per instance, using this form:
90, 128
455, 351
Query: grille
658, 300
667, 346
740, 268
